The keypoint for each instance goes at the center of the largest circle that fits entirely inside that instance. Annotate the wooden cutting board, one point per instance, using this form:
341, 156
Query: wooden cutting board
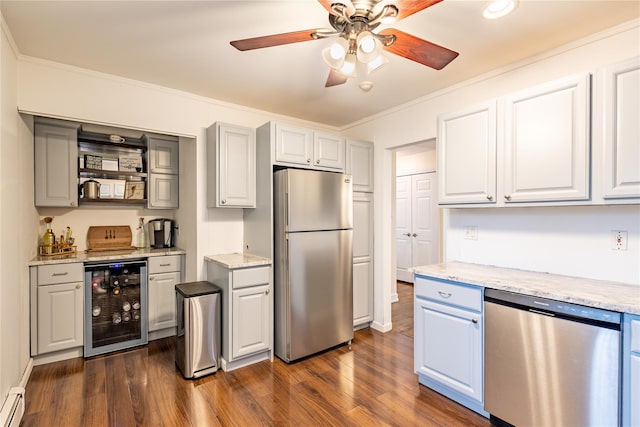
109, 238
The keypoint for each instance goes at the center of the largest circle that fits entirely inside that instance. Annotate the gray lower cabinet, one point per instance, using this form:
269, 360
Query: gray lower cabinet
448, 339
631, 370
247, 313
165, 272
56, 165
57, 307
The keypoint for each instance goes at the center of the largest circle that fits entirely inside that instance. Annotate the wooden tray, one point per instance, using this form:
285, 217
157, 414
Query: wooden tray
109, 238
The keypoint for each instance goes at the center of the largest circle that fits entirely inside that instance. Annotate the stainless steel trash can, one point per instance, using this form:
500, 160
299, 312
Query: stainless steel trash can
198, 329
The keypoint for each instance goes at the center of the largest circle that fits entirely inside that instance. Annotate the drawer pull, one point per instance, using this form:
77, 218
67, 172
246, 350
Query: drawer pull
60, 274
267, 292
165, 265
474, 321
152, 278
444, 294
78, 286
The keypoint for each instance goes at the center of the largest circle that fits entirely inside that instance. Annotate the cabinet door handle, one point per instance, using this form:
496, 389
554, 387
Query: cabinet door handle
165, 265
72, 204
78, 286
474, 321
406, 234
444, 294
308, 160
317, 162
507, 197
223, 202
414, 235
152, 278
267, 292
60, 274
489, 197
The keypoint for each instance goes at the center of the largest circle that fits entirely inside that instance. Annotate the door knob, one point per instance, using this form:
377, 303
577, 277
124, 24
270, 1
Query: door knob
317, 162
508, 197
414, 235
406, 234
475, 321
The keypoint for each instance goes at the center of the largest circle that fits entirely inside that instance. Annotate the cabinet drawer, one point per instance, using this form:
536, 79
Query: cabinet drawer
449, 293
60, 273
250, 277
164, 264
635, 336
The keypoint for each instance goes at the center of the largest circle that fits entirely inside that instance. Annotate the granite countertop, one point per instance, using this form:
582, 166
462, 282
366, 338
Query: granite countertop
104, 256
614, 296
238, 260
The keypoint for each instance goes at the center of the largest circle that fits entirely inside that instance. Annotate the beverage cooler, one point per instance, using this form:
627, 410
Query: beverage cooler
115, 306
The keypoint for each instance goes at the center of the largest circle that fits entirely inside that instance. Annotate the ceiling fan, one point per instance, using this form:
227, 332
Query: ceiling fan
353, 22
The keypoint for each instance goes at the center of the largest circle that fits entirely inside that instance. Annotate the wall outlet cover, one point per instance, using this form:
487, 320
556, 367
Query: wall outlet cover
619, 240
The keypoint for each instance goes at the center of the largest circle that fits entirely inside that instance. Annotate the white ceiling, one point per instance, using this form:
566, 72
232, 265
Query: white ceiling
185, 45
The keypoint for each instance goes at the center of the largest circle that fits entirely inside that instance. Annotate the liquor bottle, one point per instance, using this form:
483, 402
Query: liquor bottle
141, 235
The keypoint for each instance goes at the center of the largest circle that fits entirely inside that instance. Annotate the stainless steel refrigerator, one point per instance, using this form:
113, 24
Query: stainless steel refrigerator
313, 213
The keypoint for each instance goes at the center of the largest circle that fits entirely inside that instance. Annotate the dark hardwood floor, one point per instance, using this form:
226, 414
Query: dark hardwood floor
370, 384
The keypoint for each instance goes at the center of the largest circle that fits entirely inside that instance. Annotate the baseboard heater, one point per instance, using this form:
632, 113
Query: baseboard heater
13, 408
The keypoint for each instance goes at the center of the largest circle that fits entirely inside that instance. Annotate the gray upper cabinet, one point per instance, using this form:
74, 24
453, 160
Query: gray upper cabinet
56, 165
231, 166
163, 172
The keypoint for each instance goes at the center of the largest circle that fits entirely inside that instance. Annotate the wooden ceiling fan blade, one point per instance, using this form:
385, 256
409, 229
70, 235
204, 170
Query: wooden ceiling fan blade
335, 78
418, 50
275, 39
349, 5
409, 7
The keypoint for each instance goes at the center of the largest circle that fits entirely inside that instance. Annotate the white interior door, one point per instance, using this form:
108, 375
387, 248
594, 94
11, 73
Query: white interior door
403, 228
417, 223
424, 233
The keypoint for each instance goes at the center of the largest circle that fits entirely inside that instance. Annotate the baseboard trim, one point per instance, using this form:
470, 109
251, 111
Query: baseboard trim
381, 327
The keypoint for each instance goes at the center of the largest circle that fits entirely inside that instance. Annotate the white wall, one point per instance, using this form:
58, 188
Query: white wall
412, 164
58, 90
416, 121
17, 217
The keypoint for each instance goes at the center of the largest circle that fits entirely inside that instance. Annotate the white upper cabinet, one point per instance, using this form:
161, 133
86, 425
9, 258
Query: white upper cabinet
231, 166
293, 144
467, 155
360, 165
328, 150
622, 130
547, 142
56, 165
300, 146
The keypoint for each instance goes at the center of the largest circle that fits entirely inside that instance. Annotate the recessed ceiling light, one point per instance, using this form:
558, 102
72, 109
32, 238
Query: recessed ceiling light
499, 8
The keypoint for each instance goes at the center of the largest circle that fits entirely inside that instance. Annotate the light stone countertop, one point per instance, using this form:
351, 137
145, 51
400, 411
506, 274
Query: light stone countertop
238, 260
614, 296
104, 256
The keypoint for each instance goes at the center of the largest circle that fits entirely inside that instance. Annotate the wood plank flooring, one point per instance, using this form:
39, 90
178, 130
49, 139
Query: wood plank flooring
371, 384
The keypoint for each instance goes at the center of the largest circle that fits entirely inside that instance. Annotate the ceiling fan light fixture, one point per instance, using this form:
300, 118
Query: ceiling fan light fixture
335, 54
369, 47
349, 66
376, 63
499, 8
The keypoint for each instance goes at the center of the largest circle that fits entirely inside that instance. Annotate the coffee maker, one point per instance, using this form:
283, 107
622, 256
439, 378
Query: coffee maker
162, 233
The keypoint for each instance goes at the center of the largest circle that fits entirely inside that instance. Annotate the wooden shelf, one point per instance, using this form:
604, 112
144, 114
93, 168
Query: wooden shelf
100, 173
82, 201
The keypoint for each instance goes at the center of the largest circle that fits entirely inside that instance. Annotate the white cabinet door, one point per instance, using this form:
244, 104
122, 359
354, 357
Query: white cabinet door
163, 191
328, 151
634, 391
250, 332
547, 142
231, 166
163, 155
56, 166
293, 144
622, 130
360, 165
448, 347
162, 300
466, 152
60, 316
362, 258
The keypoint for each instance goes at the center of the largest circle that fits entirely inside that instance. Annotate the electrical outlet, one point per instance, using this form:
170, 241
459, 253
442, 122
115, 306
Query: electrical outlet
470, 232
619, 240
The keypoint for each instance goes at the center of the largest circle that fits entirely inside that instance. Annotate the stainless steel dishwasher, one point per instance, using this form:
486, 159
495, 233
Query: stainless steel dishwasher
550, 363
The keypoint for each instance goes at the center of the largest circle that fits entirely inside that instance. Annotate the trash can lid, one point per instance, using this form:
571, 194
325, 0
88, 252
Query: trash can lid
194, 289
